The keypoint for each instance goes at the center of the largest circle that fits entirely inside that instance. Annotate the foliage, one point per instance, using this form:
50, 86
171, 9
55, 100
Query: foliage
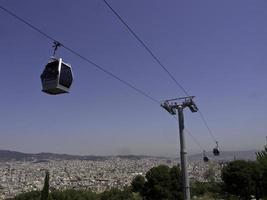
45, 191
199, 188
113, 194
138, 184
34, 195
206, 196
137, 196
262, 156
157, 184
163, 183
242, 178
206, 188
73, 195
116, 194
176, 183
262, 160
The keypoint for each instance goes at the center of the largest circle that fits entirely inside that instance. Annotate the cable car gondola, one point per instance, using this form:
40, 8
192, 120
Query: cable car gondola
205, 158
57, 77
216, 151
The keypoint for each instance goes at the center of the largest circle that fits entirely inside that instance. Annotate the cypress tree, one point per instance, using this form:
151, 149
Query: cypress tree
45, 191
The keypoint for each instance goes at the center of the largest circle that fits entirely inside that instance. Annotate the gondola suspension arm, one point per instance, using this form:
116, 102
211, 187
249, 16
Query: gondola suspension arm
56, 44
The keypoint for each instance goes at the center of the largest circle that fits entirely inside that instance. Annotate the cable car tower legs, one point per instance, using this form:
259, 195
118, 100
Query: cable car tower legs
171, 106
183, 154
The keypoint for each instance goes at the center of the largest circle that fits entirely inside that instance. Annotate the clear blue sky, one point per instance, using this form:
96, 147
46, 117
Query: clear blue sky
216, 49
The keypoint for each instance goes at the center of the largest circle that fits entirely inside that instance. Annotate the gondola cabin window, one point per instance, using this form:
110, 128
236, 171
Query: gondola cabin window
51, 71
65, 76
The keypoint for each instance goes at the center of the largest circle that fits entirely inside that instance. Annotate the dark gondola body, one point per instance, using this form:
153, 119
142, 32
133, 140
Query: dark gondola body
57, 77
205, 159
216, 152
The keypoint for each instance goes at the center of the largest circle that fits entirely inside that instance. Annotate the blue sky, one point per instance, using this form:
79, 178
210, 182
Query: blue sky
215, 49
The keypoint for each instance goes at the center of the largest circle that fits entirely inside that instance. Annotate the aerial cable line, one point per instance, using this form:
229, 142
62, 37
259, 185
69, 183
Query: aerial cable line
147, 48
113, 75
27, 23
192, 136
157, 60
56, 42
206, 124
81, 56
194, 139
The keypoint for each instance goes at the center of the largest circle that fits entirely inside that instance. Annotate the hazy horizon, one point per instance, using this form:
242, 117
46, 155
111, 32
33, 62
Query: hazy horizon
215, 49
129, 154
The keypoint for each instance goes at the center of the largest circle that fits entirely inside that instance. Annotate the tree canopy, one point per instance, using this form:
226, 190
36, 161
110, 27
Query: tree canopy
242, 178
160, 183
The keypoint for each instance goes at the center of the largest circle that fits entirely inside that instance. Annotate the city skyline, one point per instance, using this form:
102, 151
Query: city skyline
216, 50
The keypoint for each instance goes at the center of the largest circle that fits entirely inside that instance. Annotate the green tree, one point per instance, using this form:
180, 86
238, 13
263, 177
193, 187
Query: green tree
73, 195
262, 156
199, 188
158, 183
45, 191
116, 194
34, 195
256, 179
163, 183
212, 189
262, 160
138, 184
242, 178
176, 187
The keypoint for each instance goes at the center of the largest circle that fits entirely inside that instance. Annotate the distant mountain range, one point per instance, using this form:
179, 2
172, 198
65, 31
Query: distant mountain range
6, 155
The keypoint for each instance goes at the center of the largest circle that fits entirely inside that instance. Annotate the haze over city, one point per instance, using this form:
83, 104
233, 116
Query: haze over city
215, 49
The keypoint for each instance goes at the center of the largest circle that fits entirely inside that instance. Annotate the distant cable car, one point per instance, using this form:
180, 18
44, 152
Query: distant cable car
57, 77
205, 158
216, 151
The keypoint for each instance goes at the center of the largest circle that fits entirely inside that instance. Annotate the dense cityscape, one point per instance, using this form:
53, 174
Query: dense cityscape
23, 176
